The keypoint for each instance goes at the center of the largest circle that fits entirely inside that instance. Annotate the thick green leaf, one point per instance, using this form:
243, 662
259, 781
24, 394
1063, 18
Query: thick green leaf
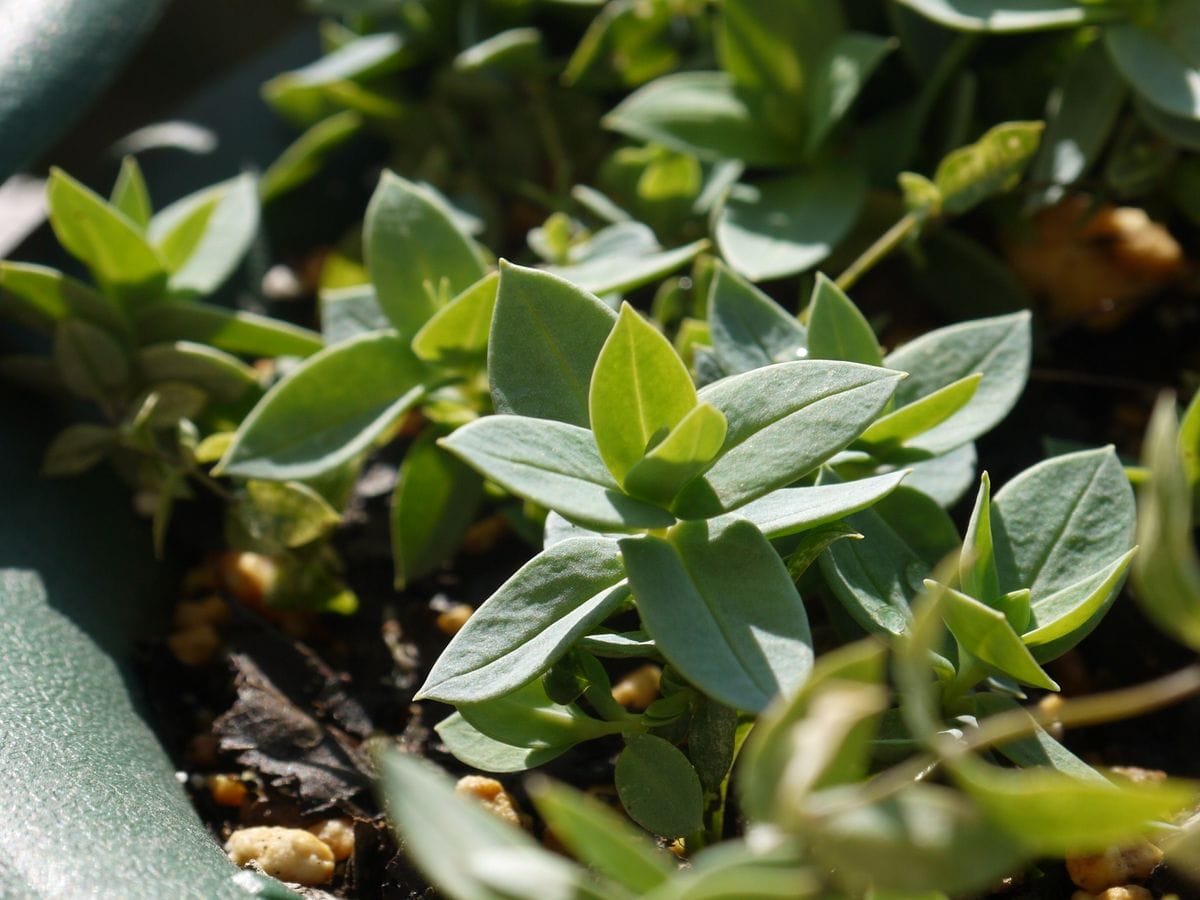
40, 297
977, 562
78, 448
224, 377
985, 633
226, 329
994, 163
789, 510
914, 419
772, 749
924, 838
1013, 15
640, 390
622, 257
204, 236
998, 347
471, 746
434, 503
304, 95
92, 364
350, 311
1166, 572
327, 410
285, 513
304, 157
1053, 814
600, 837
530, 621
1081, 112
517, 49
1161, 60
789, 223
679, 457
749, 329
457, 334
1062, 521
130, 195
1063, 619
721, 607
429, 818
546, 335
945, 478
412, 243
705, 114
783, 421
527, 717
764, 44
658, 786
1039, 748
876, 579
836, 81
556, 465
109, 244
733, 870
836, 328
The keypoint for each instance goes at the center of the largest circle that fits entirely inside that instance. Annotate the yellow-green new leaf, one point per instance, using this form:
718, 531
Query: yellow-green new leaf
1053, 813
679, 457
1167, 571
989, 166
640, 390
836, 328
130, 195
977, 562
896, 427
105, 240
985, 634
458, 332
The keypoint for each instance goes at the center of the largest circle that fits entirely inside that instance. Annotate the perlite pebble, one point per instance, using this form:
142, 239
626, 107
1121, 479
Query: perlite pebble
1115, 866
338, 835
289, 854
1128, 892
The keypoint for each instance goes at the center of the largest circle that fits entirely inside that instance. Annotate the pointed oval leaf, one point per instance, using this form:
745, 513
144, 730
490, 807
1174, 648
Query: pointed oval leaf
836, 81
1054, 814
977, 562
682, 455
224, 377
205, 235
640, 390
1012, 15
91, 362
77, 448
1062, 521
789, 510
471, 746
658, 786
1064, 618
723, 610
546, 335
347, 312
902, 425
1167, 572
985, 634
836, 328
1161, 60
783, 421
457, 334
527, 717
600, 837
994, 163
789, 223
40, 297
233, 331
130, 195
327, 410
556, 465
285, 513
412, 242
999, 347
876, 579
749, 329
107, 242
530, 621
704, 114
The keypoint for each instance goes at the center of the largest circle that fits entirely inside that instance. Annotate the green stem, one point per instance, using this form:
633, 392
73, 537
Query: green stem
884, 245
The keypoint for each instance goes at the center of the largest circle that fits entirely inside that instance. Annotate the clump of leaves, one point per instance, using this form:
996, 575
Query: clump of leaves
162, 370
